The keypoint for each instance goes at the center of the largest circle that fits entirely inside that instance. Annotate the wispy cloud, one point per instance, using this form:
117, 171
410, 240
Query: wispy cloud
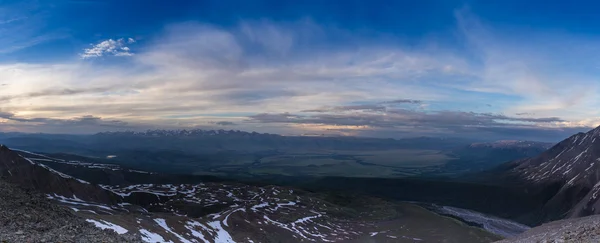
23, 29
405, 118
412, 122
403, 101
56, 92
87, 120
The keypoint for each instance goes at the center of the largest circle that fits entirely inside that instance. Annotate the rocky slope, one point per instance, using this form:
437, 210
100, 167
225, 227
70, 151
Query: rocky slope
27, 216
215, 211
33, 175
570, 171
580, 230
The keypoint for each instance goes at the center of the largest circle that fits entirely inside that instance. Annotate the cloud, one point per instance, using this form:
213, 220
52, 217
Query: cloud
109, 47
349, 108
533, 66
412, 122
375, 107
403, 119
283, 77
75, 121
6, 115
56, 92
84, 124
21, 29
225, 123
524, 114
403, 101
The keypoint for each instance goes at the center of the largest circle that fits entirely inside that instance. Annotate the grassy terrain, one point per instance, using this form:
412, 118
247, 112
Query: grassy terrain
292, 160
342, 169
373, 163
406, 157
379, 163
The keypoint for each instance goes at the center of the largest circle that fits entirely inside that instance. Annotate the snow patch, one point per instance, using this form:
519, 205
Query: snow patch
163, 224
262, 205
227, 217
107, 225
150, 237
190, 226
222, 235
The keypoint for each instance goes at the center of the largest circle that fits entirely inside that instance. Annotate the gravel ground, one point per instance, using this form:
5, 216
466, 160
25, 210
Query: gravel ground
579, 230
27, 216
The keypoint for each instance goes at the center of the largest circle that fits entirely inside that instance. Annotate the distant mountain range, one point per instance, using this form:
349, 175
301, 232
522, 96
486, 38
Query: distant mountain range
201, 141
512, 144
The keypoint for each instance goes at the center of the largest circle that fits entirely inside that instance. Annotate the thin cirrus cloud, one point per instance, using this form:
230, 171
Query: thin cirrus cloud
404, 118
282, 77
377, 107
403, 122
20, 30
84, 121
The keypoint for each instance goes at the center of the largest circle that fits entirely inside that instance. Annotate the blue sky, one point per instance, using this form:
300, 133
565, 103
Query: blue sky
494, 69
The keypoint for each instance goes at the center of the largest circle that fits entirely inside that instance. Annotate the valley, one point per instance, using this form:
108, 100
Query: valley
236, 154
322, 191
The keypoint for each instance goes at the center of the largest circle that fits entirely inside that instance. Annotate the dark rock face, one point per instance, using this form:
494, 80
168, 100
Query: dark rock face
572, 169
28, 174
26, 216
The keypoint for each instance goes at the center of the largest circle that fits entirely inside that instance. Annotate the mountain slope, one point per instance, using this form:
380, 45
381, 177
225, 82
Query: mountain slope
27, 216
232, 212
571, 169
33, 175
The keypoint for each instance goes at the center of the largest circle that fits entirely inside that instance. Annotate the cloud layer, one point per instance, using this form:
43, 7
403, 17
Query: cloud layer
288, 77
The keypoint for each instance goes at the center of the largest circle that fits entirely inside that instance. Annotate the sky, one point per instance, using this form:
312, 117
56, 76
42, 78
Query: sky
481, 69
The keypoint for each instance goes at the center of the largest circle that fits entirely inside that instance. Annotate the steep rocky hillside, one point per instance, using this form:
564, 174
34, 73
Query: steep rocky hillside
570, 170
